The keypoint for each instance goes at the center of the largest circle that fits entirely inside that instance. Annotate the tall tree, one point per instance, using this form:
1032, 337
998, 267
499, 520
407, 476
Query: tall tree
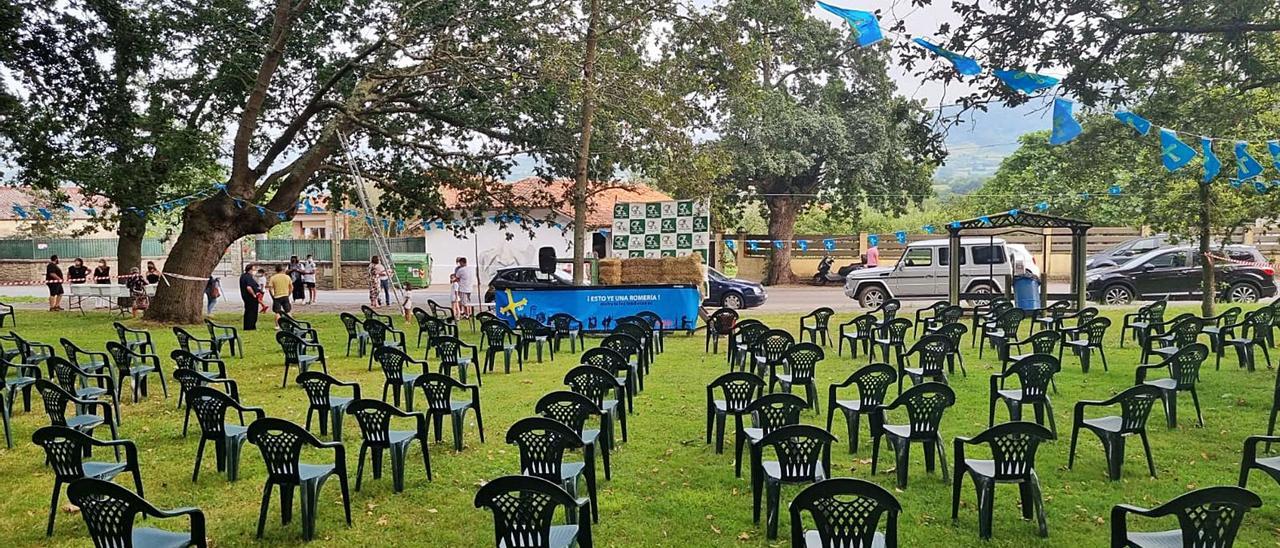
428, 92
92, 102
806, 116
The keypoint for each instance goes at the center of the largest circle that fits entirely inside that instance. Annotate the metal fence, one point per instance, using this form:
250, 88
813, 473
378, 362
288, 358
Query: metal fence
322, 250
70, 248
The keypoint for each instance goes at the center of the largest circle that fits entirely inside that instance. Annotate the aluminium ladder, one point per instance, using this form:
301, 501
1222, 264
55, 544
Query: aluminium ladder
379, 239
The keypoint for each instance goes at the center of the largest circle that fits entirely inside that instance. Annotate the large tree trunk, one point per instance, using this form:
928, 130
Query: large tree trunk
180, 297
1209, 287
782, 226
129, 235
581, 170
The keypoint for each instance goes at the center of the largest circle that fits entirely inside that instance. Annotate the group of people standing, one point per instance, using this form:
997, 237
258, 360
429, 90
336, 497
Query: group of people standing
78, 274
295, 282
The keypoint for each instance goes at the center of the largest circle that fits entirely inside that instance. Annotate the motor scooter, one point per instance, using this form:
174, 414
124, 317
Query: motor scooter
824, 274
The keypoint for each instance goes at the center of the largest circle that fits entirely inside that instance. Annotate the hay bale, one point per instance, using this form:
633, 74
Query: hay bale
610, 271
665, 270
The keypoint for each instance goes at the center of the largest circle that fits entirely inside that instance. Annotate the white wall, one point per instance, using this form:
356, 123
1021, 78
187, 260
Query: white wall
494, 249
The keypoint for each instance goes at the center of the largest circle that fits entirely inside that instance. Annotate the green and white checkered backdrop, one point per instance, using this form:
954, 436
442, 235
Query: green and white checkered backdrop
661, 229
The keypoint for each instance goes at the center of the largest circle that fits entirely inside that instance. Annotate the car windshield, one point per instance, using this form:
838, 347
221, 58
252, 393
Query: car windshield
716, 275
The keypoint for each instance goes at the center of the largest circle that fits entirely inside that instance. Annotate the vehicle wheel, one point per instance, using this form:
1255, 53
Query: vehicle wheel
1117, 294
731, 300
984, 288
1243, 292
872, 297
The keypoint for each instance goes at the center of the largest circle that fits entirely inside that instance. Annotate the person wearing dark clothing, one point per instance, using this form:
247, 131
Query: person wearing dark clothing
53, 279
78, 273
153, 273
102, 273
249, 291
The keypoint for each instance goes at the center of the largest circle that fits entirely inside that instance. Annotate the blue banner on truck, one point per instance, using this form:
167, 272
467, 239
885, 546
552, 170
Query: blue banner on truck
598, 307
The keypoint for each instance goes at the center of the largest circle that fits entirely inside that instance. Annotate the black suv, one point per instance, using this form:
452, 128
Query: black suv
1175, 273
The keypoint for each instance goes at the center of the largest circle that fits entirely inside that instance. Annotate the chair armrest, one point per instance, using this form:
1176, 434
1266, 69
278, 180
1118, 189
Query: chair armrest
1140, 372
34, 369
43, 346
355, 387
130, 448
1251, 447
475, 393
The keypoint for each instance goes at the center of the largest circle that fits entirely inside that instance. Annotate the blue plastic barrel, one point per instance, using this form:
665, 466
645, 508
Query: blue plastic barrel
1026, 292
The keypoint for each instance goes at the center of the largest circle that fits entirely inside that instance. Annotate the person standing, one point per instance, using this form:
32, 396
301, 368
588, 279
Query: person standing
873, 256
309, 278
78, 273
212, 290
466, 283
53, 279
295, 275
102, 273
379, 282
250, 291
281, 285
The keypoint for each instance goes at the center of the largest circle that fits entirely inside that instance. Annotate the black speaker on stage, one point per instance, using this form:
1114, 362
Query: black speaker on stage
547, 260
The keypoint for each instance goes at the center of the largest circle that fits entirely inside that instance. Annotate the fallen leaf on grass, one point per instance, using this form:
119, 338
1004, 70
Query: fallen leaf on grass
70, 508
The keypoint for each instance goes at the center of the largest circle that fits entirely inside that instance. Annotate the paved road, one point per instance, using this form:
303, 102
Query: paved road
781, 299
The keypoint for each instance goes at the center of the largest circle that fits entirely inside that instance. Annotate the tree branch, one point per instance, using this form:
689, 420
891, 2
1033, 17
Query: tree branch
241, 175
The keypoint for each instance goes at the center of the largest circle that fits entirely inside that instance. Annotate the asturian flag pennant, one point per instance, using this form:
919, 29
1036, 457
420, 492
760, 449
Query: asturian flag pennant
90, 212
21, 213
1212, 165
1173, 152
262, 210
1273, 146
984, 220
779, 244
732, 245
967, 66
306, 206
1014, 213
901, 235
68, 208
928, 229
829, 244
282, 216
1138, 123
803, 245
1114, 190
866, 29
753, 245
1042, 206
1065, 126
1246, 167
1025, 82
44, 213
873, 240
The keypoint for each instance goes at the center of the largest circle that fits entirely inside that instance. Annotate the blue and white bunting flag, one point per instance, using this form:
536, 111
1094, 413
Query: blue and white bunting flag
1246, 166
967, 66
1173, 152
866, 28
1065, 126
1212, 165
1138, 123
1025, 82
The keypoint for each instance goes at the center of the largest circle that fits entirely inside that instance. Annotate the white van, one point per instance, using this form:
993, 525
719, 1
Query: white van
924, 271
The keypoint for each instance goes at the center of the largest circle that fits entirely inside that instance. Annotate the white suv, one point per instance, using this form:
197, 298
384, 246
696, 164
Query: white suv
924, 270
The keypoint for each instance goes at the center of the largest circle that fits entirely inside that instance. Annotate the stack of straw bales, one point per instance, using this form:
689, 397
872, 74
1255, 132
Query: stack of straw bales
640, 271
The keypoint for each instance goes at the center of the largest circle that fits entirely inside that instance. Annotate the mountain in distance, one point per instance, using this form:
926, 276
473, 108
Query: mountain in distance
981, 141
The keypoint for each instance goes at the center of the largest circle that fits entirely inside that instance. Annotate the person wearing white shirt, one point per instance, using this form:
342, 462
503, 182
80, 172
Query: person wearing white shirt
309, 278
466, 284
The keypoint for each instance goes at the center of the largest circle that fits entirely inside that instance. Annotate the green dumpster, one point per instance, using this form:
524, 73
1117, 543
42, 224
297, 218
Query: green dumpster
413, 269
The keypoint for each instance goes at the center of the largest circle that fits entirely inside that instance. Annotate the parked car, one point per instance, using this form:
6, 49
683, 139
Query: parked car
1175, 273
732, 292
1124, 251
524, 277
924, 272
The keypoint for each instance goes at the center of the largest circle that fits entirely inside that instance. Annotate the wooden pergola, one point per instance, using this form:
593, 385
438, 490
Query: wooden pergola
1078, 228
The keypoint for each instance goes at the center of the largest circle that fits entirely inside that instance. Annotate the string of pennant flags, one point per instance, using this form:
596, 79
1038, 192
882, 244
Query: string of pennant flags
902, 236
1175, 153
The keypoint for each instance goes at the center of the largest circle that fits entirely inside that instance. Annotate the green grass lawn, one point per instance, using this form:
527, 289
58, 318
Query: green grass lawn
669, 487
